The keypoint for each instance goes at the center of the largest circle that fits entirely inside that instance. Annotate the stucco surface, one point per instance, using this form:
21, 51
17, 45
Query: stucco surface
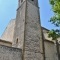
9, 31
50, 51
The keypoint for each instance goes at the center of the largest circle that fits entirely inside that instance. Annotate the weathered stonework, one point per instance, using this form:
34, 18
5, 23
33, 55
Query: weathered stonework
10, 53
5, 43
25, 34
28, 30
19, 27
32, 33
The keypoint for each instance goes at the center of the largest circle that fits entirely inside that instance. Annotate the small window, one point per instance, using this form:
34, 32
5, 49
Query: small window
32, 0
17, 42
21, 1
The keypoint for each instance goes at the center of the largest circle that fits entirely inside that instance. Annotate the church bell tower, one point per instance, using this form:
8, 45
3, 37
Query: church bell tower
27, 34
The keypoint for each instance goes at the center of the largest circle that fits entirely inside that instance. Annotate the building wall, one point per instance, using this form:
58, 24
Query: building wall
9, 53
50, 50
9, 31
28, 32
59, 49
19, 26
6, 43
33, 41
45, 32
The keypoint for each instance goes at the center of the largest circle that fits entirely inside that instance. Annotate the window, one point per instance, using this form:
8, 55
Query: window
21, 1
17, 42
32, 0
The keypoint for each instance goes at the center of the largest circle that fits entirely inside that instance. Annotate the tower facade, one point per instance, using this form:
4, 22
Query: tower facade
27, 34
19, 31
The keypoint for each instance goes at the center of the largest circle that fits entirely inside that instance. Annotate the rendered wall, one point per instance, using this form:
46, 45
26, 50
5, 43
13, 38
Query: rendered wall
9, 53
9, 31
50, 51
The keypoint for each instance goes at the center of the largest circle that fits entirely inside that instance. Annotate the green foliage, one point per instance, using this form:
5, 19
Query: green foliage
56, 9
54, 34
55, 4
55, 20
52, 2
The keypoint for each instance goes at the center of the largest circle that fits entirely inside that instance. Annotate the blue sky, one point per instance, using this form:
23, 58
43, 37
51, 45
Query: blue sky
8, 12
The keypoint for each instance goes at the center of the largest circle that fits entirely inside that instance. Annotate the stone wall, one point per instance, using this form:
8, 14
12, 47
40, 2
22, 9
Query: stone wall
9, 53
33, 39
6, 43
19, 27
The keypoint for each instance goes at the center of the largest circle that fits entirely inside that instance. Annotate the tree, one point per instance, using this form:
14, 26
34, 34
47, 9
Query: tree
55, 19
55, 4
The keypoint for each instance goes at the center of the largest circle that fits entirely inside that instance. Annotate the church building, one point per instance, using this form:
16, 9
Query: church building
24, 38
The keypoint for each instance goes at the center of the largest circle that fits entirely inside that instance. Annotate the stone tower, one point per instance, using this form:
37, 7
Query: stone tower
27, 34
